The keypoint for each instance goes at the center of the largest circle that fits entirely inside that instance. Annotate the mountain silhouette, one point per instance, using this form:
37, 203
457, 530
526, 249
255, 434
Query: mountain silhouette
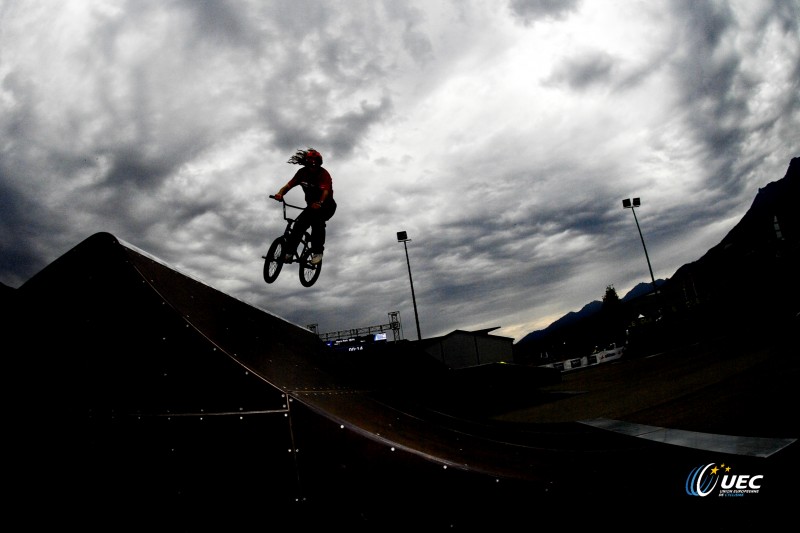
589, 310
747, 281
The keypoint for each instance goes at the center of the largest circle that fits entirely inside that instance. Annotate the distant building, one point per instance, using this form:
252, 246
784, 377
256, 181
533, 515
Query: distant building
461, 349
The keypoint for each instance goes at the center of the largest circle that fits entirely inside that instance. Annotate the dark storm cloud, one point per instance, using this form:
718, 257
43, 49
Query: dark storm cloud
584, 71
220, 21
132, 167
346, 132
719, 92
329, 62
414, 40
532, 10
19, 226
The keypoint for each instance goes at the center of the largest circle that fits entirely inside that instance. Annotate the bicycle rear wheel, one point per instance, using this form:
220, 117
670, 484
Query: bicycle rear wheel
308, 273
273, 261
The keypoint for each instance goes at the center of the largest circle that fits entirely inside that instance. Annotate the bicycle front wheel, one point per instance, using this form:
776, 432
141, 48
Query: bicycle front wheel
273, 261
308, 273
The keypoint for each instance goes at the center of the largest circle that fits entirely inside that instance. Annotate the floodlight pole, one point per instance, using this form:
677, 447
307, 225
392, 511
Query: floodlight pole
636, 203
402, 236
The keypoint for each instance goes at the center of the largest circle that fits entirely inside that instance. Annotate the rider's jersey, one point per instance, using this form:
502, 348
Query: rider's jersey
313, 180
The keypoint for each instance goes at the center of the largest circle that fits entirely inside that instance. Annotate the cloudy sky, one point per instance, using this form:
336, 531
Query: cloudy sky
502, 135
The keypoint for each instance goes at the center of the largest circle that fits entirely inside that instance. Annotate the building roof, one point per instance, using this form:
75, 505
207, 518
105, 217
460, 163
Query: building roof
478, 332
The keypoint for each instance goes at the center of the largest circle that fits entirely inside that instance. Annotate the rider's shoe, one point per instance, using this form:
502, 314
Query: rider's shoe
316, 259
287, 258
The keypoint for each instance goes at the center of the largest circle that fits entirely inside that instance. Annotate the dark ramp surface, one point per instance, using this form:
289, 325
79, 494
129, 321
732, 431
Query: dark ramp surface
143, 394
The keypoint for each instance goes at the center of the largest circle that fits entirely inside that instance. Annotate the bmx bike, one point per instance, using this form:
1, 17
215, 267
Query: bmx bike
274, 260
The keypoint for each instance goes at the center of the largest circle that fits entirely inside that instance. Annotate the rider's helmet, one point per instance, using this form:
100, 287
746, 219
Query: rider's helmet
313, 157
306, 158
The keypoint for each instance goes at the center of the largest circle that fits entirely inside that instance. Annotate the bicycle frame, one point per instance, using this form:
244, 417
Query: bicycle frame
290, 225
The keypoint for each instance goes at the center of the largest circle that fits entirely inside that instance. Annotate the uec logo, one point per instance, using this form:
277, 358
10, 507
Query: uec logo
702, 481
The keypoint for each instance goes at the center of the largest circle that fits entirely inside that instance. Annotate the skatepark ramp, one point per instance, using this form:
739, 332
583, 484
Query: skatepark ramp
165, 397
145, 393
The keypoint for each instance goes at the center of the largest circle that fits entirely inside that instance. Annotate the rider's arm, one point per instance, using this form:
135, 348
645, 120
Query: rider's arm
283, 190
323, 195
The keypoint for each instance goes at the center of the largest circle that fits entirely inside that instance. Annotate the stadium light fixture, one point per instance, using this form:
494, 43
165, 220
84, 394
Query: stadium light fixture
402, 236
628, 204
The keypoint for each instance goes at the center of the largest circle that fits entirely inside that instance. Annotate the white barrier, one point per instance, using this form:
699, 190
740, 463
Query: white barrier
605, 356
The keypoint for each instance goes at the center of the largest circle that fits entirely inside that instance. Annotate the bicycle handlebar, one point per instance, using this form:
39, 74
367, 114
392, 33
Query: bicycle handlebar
284, 202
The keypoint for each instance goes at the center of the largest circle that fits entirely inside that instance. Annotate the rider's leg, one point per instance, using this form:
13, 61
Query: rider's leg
318, 236
318, 227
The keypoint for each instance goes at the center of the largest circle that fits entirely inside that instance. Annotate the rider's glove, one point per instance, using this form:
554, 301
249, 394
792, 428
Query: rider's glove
278, 197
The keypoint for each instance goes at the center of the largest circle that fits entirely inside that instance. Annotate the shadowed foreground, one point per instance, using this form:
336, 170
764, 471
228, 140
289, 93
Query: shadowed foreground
148, 395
